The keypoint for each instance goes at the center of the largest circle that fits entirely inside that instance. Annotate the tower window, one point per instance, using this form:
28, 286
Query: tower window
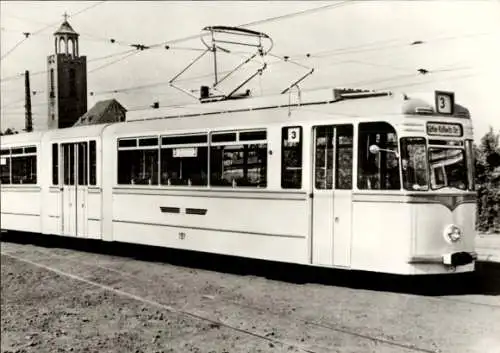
52, 95
72, 83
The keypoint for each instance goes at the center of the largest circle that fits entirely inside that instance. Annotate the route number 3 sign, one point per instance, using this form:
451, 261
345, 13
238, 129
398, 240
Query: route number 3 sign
293, 135
444, 102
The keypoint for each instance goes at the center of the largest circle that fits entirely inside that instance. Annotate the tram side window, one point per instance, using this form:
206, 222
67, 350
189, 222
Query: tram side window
343, 161
92, 164
55, 164
68, 155
239, 164
184, 160
23, 165
138, 161
291, 157
324, 157
82, 163
5, 166
378, 170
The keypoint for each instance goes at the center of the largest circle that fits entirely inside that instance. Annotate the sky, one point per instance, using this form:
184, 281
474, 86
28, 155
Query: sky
357, 44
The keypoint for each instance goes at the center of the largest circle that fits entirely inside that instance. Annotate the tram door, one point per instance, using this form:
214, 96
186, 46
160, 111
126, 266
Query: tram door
75, 162
332, 195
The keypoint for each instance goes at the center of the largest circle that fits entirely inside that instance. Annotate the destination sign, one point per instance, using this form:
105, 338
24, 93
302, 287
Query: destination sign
444, 129
185, 152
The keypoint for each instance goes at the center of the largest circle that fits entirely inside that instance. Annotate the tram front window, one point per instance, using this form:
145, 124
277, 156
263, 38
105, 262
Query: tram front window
447, 168
378, 169
414, 163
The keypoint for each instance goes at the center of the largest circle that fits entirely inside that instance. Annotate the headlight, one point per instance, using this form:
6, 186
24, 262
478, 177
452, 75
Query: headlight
452, 233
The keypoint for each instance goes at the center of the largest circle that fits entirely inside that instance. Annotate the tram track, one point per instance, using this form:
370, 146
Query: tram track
167, 308
374, 339
129, 275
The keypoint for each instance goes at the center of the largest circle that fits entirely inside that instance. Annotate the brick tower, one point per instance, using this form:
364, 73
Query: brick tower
67, 79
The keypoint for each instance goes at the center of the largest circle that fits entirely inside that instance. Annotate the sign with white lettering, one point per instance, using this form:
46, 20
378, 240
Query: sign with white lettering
185, 152
445, 102
444, 129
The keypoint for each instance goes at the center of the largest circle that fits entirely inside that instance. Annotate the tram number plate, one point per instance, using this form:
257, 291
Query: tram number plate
445, 102
293, 135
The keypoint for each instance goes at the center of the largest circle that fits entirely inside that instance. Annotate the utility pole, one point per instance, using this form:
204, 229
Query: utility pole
28, 118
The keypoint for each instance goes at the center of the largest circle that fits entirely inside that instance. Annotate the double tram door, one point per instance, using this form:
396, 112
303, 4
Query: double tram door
75, 162
332, 195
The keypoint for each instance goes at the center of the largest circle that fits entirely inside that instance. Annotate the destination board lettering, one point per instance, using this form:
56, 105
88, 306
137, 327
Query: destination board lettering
444, 129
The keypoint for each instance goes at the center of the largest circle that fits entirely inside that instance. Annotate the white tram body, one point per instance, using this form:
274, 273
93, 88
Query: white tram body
364, 181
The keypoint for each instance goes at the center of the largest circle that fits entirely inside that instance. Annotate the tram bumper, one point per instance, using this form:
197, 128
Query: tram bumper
451, 259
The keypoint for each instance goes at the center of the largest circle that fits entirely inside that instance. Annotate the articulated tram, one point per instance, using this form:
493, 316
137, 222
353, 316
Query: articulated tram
371, 181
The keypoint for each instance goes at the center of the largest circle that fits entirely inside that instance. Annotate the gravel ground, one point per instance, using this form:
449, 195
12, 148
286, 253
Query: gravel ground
66, 300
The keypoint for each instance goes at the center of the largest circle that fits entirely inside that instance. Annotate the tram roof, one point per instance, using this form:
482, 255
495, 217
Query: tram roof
309, 105
22, 138
272, 109
75, 132
352, 103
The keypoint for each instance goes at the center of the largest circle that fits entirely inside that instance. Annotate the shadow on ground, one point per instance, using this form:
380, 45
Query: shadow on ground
485, 280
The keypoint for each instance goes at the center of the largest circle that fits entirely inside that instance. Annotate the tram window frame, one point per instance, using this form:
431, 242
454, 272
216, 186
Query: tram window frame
194, 170
344, 182
324, 146
375, 171
68, 162
420, 180
22, 160
225, 171
92, 162
129, 152
82, 163
330, 170
295, 180
55, 164
5, 166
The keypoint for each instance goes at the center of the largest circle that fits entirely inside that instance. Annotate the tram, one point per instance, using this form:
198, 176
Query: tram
372, 181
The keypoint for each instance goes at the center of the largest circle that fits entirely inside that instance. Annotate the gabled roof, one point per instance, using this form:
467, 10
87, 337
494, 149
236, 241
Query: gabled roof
66, 29
107, 111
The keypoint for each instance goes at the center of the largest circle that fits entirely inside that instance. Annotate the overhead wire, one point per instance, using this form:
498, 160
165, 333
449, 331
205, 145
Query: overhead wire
114, 61
253, 23
28, 34
270, 19
338, 51
297, 13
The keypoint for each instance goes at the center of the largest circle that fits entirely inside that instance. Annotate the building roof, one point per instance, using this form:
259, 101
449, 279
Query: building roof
107, 111
66, 28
